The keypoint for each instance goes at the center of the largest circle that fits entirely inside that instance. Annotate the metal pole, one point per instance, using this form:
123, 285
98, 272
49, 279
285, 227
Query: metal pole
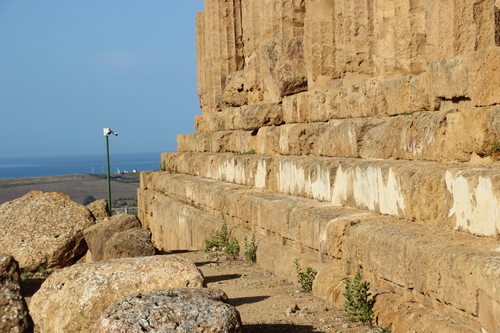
109, 180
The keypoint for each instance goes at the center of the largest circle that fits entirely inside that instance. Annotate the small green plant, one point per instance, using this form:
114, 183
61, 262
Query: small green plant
250, 152
494, 148
306, 278
218, 240
250, 249
222, 125
26, 274
232, 249
359, 302
163, 166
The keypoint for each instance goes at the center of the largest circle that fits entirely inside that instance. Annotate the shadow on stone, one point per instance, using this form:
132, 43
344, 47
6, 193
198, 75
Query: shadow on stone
30, 286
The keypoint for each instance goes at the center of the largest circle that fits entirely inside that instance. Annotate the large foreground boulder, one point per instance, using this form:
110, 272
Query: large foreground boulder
14, 317
120, 236
174, 310
43, 230
72, 299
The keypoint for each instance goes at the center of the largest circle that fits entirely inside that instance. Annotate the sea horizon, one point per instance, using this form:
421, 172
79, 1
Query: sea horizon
46, 166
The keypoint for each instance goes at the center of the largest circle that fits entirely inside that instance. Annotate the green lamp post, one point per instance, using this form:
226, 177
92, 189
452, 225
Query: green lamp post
107, 132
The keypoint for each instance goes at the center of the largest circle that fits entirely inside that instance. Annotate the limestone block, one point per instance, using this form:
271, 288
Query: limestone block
440, 23
494, 121
484, 80
319, 46
99, 209
474, 26
450, 77
129, 243
267, 140
14, 316
285, 61
400, 39
299, 139
98, 235
439, 136
167, 219
467, 132
342, 137
43, 229
354, 36
233, 94
174, 310
72, 299
459, 27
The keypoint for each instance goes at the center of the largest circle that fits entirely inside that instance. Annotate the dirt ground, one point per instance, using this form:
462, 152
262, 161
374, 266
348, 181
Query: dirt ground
77, 186
266, 303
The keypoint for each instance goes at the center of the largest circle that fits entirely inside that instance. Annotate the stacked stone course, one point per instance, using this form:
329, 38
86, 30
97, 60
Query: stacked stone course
348, 134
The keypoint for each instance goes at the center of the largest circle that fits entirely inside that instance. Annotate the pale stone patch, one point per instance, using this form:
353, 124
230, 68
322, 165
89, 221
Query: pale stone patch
294, 179
475, 206
369, 189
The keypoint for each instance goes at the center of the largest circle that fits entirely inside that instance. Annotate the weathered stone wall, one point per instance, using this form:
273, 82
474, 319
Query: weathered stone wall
349, 134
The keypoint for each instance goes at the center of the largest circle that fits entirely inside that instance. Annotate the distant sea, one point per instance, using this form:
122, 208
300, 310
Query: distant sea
14, 167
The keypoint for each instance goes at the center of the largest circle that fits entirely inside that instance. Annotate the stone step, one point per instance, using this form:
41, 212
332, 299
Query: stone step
420, 264
449, 136
464, 197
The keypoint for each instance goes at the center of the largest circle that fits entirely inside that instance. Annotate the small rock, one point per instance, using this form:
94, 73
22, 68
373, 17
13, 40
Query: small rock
346, 325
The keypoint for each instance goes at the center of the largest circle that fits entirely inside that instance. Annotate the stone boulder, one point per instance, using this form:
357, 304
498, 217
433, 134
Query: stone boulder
129, 243
14, 316
174, 310
99, 209
44, 230
72, 299
121, 236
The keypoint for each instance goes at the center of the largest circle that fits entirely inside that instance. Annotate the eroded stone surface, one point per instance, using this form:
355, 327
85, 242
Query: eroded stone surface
43, 229
99, 209
14, 316
120, 236
173, 310
72, 299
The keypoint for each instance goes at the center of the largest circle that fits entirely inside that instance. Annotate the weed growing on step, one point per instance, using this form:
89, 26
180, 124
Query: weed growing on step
359, 302
250, 249
494, 148
250, 152
218, 240
221, 242
233, 249
306, 278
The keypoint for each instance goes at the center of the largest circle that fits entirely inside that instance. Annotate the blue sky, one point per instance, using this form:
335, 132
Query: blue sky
68, 68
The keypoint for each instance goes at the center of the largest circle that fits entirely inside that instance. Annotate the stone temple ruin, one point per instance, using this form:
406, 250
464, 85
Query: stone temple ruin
348, 134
